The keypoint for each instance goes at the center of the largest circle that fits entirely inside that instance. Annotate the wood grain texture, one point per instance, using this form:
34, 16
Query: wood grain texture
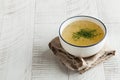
16, 37
109, 10
109, 13
112, 66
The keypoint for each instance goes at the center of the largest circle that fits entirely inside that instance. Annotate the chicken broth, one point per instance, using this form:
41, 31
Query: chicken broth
83, 33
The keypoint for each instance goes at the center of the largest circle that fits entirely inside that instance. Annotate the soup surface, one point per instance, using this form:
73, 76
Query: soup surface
82, 33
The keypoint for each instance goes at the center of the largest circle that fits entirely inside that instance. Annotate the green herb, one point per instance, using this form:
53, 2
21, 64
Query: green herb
85, 33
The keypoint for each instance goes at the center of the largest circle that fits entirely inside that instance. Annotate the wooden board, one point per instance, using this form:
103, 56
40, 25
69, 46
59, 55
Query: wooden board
16, 37
110, 16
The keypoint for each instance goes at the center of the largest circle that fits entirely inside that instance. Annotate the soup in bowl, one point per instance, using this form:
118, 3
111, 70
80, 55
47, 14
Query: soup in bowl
82, 36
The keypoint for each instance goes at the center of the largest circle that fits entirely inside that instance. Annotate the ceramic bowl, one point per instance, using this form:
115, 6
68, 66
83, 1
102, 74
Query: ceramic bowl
82, 51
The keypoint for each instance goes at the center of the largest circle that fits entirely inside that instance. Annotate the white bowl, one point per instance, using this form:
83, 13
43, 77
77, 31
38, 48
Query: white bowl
82, 51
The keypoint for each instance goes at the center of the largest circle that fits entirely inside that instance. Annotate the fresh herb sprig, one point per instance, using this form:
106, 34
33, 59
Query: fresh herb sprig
85, 33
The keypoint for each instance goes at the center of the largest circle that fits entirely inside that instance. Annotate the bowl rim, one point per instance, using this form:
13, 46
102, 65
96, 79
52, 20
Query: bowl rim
87, 17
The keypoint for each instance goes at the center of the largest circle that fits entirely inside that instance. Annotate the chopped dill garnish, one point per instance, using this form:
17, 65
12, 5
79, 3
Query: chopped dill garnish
85, 33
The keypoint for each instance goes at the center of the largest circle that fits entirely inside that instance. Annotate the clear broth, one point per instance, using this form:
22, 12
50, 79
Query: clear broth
76, 27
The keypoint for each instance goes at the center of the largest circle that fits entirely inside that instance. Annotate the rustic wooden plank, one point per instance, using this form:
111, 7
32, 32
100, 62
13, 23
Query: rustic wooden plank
48, 17
16, 37
110, 15
112, 66
109, 10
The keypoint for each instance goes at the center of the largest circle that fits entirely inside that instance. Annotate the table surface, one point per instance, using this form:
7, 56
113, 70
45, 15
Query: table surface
43, 18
